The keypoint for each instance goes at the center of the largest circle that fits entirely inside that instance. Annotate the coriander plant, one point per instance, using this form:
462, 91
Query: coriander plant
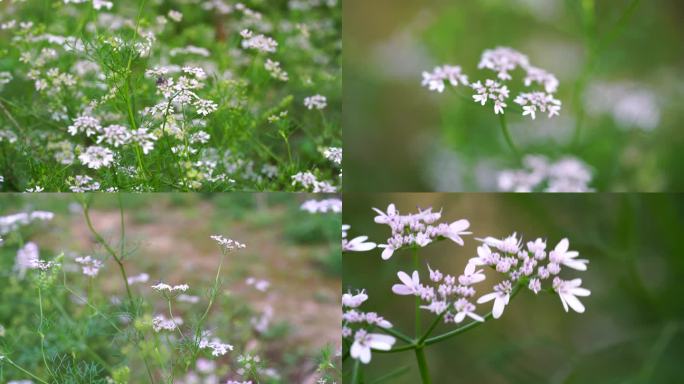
500, 270
152, 95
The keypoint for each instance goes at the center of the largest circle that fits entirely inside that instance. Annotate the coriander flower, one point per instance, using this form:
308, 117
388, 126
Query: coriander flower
410, 284
217, 347
561, 255
96, 157
434, 80
315, 102
160, 322
568, 290
90, 267
354, 301
227, 244
364, 342
86, 124
491, 90
501, 296
322, 206
465, 308
533, 101
163, 287
357, 244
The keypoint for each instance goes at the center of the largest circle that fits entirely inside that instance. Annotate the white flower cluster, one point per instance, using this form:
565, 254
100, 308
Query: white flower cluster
453, 297
315, 102
503, 61
322, 206
333, 154
160, 322
217, 347
355, 324
309, 181
258, 42
631, 105
163, 287
89, 266
417, 229
28, 257
228, 244
357, 244
258, 284
11, 223
137, 279
508, 257
567, 174
435, 80
83, 183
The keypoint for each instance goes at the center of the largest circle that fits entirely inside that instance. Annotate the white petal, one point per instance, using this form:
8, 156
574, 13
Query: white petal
562, 246
401, 289
579, 265
381, 342
459, 317
405, 278
580, 291
459, 226
574, 303
475, 316
387, 253
565, 305
499, 305
416, 279
488, 297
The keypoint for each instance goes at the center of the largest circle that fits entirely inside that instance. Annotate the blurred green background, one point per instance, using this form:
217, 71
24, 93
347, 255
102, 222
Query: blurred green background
631, 332
399, 136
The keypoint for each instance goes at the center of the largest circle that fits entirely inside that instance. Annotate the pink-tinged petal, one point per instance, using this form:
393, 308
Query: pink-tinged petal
476, 317
574, 303
357, 350
401, 289
488, 297
580, 291
381, 342
405, 278
459, 317
415, 278
365, 355
499, 305
391, 210
455, 238
562, 246
387, 253
459, 226
484, 251
574, 283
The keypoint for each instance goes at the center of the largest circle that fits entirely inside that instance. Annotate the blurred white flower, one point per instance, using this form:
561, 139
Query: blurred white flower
434, 80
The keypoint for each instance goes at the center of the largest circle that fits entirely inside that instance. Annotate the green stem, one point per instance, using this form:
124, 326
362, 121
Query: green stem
15, 365
507, 136
396, 333
356, 372
432, 328
468, 326
422, 366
